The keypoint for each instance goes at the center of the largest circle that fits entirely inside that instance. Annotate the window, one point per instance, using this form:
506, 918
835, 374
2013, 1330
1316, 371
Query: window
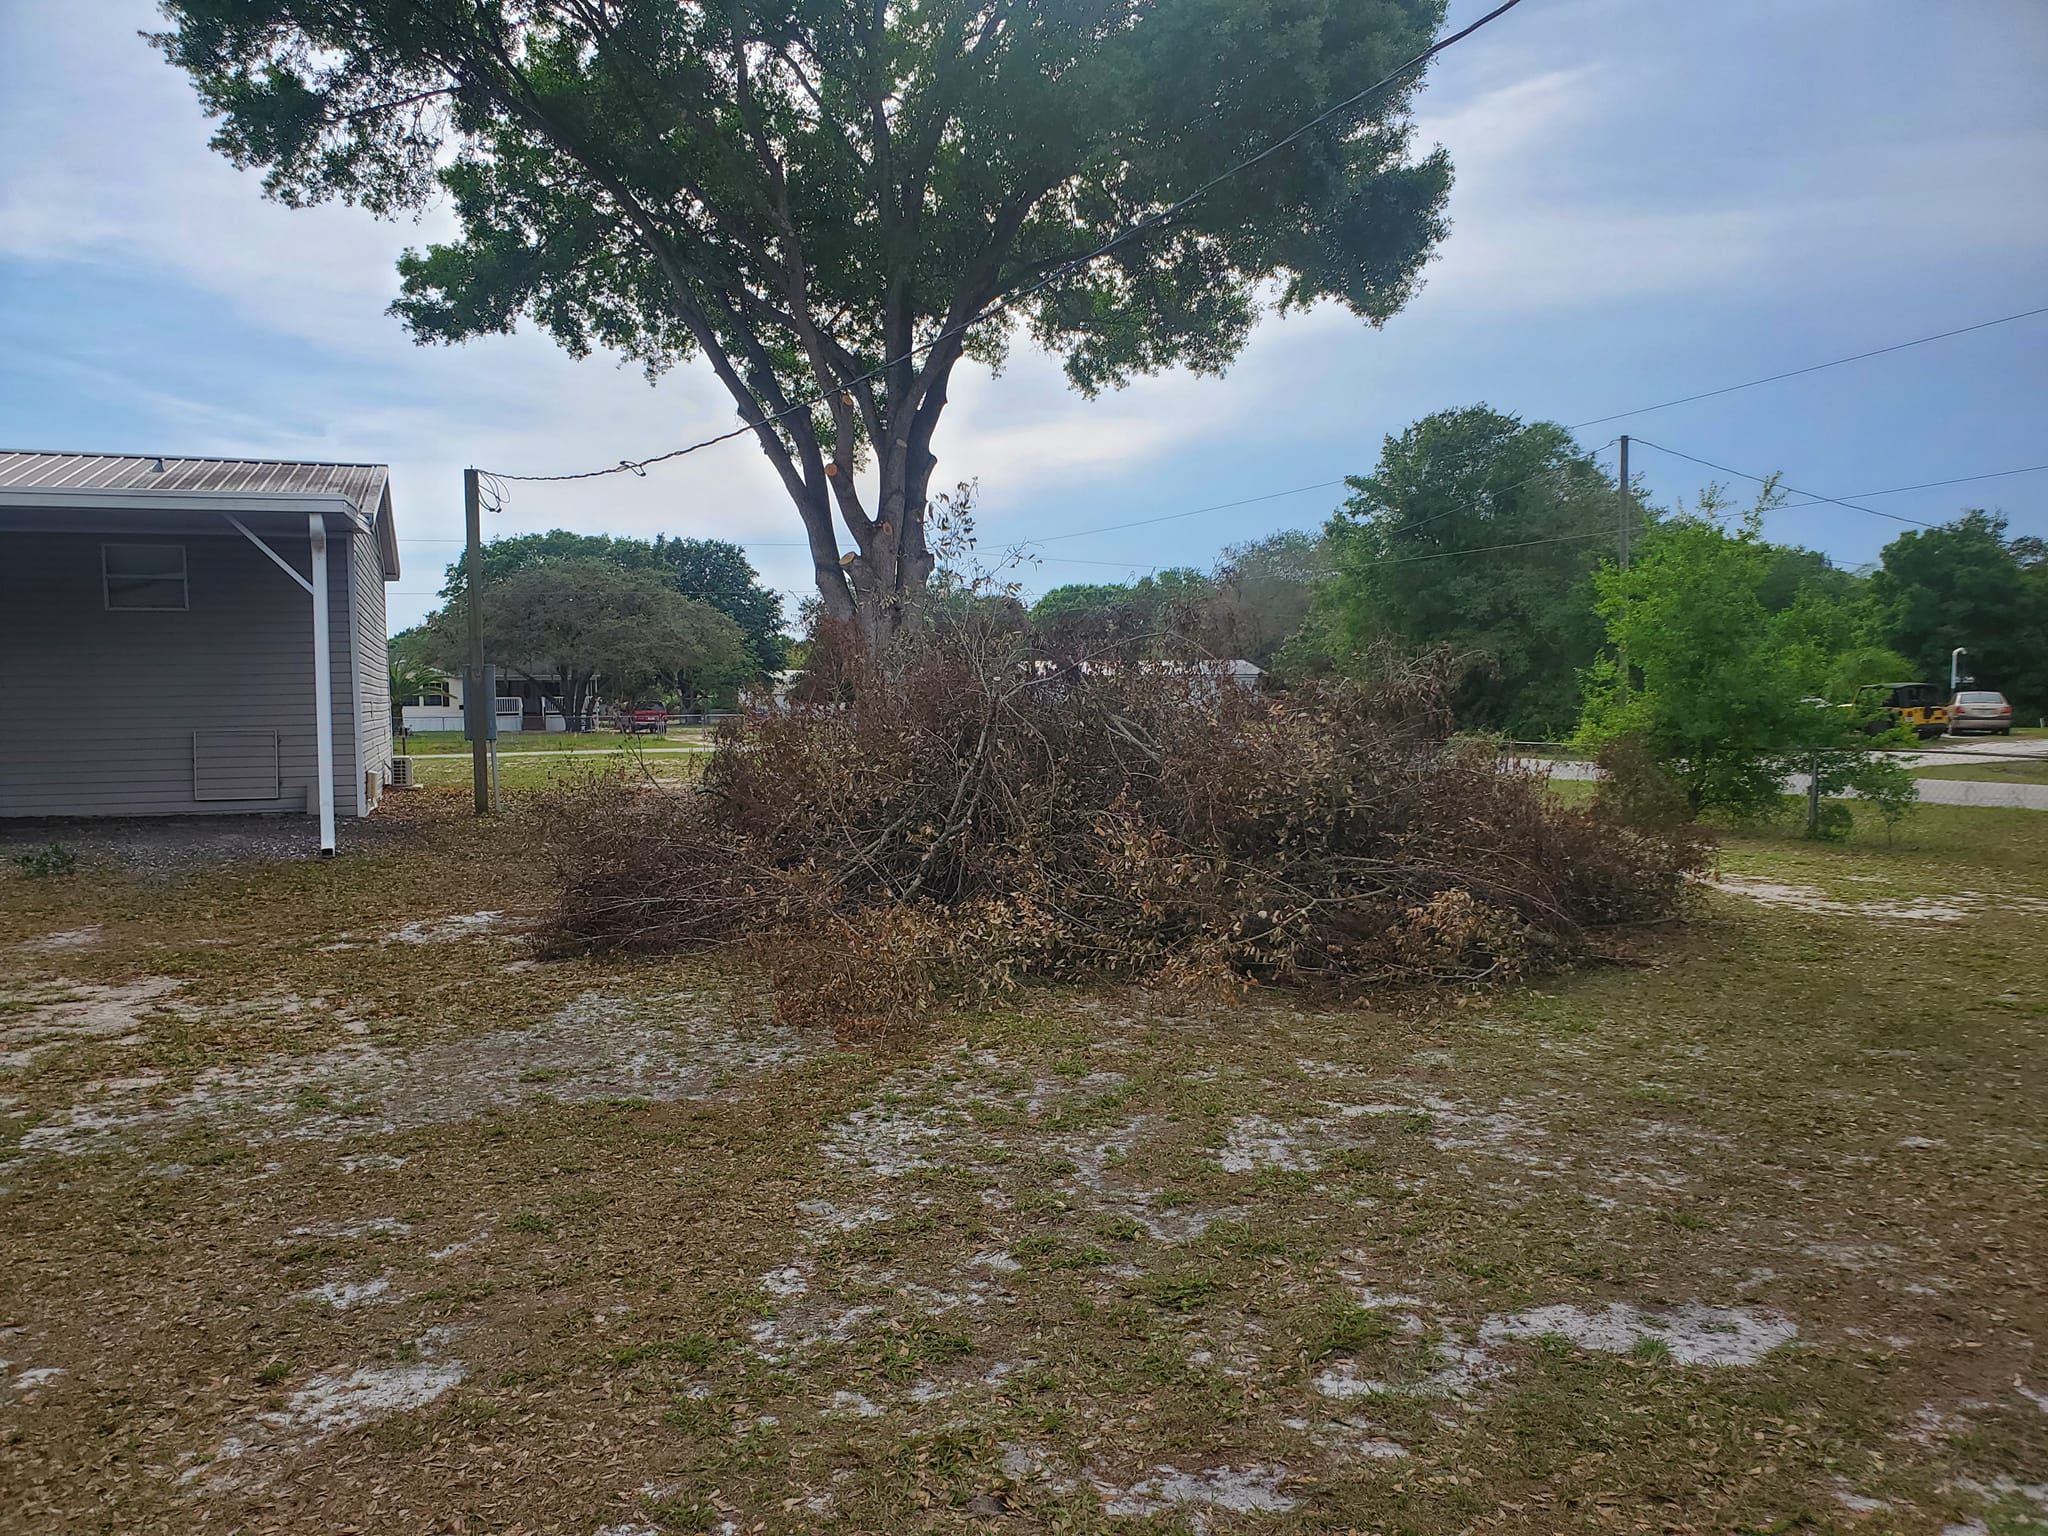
144, 576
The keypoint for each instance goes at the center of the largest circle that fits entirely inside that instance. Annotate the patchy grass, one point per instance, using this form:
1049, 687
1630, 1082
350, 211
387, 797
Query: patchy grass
317, 1227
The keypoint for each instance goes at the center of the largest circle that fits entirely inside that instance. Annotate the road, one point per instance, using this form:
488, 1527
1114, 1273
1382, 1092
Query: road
2025, 797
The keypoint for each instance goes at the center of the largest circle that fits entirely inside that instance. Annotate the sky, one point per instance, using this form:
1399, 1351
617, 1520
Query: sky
1652, 198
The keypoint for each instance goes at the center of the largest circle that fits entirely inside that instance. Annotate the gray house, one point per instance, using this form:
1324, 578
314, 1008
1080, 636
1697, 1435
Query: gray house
191, 636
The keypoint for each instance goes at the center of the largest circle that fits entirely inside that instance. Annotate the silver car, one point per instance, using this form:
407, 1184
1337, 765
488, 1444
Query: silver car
1979, 711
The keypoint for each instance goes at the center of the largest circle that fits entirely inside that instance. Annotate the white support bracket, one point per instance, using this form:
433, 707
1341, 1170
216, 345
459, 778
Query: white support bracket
323, 672
275, 558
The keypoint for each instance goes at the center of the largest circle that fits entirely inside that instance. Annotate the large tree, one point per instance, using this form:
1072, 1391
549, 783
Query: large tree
1479, 532
827, 199
712, 571
1966, 583
578, 624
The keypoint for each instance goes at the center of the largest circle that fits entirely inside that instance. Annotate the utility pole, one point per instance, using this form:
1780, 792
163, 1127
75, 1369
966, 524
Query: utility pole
1628, 501
1628, 505
479, 711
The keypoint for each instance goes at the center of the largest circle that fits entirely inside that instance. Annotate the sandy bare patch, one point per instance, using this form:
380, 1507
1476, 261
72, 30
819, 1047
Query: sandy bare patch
1349, 1439
1807, 898
1234, 1490
969, 1109
343, 1294
367, 1226
2021, 1505
331, 1403
44, 1016
32, 1379
451, 929
886, 1141
1694, 1334
1254, 1142
1102, 1178
824, 1218
1460, 1369
662, 1048
57, 943
370, 1162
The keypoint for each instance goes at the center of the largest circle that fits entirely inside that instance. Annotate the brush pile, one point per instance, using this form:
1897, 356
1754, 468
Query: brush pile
942, 827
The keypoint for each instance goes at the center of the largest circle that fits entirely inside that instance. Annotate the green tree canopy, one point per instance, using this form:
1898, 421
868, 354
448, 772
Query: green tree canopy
1541, 513
1128, 619
1263, 591
710, 570
412, 664
823, 199
577, 624
1967, 584
1717, 686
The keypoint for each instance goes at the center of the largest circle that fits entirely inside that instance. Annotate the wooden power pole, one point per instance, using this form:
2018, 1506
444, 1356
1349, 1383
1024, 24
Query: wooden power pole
1628, 502
1628, 507
477, 710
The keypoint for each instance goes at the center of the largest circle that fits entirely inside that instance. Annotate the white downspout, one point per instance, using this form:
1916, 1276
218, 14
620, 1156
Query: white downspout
323, 683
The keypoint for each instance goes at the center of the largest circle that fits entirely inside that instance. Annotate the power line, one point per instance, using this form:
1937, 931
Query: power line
1813, 496
1064, 270
1221, 506
1485, 549
1329, 484
1895, 490
1928, 485
1441, 554
1793, 373
1320, 485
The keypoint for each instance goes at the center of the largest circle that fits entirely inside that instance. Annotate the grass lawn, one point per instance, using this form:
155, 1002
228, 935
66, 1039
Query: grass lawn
2030, 770
327, 1208
537, 770
438, 743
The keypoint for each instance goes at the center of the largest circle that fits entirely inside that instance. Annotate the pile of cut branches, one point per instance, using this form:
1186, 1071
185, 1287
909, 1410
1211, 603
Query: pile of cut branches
942, 825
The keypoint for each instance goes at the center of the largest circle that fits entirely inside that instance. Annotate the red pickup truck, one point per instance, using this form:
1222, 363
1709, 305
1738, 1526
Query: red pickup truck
651, 721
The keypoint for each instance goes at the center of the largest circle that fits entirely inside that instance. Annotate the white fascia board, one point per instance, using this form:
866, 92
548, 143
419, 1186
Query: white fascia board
34, 498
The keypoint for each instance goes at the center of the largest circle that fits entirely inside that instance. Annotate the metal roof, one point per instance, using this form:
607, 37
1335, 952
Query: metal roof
361, 485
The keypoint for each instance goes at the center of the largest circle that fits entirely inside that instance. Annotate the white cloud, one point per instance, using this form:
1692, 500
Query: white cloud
1610, 153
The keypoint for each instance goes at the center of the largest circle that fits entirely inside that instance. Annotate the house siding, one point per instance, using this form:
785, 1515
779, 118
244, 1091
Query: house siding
98, 708
372, 673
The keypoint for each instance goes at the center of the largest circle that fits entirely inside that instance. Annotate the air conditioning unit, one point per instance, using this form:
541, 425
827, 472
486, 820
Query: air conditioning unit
401, 773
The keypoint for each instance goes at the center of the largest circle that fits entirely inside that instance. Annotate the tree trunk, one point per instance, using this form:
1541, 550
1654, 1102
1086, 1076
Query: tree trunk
889, 573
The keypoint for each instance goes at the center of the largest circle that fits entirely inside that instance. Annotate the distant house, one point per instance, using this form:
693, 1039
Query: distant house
193, 636
1207, 675
522, 705
1247, 675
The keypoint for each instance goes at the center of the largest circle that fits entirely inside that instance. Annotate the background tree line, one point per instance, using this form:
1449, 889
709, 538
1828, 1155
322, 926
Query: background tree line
1528, 612
1475, 533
